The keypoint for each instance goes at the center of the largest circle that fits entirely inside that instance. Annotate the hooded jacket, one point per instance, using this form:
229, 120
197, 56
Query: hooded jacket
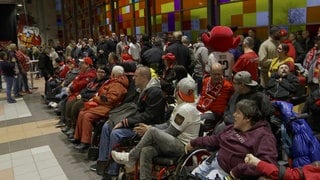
110, 95
233, 146
150, 106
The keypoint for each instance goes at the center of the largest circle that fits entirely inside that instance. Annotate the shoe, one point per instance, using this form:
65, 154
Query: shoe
60, 124
18, 96
74, 141
93, 167
71, 131
57, 111
28, 92
122, 158
109, 177
11, 101
82, 147
54, 105
101, 166
70, 136
65, 129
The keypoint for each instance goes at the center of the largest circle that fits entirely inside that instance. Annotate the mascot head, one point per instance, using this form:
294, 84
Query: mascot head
220, 38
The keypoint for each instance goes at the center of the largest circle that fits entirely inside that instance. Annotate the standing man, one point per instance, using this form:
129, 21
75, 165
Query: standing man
180, 51
267, 52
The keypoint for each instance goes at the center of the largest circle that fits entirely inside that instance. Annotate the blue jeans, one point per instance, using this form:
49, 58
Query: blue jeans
108, 140
9, 83
209, 169
16, 85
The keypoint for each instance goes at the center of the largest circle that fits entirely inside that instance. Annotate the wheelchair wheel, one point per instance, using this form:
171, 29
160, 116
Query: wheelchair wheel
191, 161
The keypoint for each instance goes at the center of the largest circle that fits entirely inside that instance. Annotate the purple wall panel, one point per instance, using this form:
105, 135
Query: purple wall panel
171, 20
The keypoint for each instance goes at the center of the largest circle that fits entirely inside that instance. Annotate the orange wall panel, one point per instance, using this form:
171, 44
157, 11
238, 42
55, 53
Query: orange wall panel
249, 6
191, 4
313, 14
237, 20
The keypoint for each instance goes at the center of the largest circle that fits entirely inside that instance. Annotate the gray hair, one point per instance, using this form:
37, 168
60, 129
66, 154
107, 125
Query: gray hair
249, 41
117, 71
250, 110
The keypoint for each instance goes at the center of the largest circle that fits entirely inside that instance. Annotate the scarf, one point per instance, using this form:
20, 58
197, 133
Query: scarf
312, 64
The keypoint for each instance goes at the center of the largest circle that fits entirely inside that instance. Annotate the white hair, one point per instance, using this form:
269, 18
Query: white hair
117, 71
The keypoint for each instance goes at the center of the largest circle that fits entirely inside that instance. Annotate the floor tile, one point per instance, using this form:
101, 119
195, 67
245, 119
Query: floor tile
24, 168
48, 163
50, 172
7, 174
22, 161
32, 175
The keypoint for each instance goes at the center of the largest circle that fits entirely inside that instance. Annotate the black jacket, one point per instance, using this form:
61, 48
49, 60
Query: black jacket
284, 89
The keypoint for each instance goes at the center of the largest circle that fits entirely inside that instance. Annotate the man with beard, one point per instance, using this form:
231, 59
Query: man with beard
268, 51
282, 84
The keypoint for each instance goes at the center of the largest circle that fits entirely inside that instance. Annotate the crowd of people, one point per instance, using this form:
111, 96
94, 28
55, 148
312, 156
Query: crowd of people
86, 82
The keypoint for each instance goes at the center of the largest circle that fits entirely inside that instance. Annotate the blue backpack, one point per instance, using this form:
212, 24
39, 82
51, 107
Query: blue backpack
298, 139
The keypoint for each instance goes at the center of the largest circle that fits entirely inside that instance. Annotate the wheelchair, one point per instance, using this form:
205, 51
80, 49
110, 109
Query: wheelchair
171, 168
164, 167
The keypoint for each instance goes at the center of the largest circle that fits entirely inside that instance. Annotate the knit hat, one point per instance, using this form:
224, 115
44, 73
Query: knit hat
186, 88
245, 78
87, 60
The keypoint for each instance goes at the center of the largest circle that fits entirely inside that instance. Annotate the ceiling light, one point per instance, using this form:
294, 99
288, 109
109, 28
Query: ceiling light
19, 5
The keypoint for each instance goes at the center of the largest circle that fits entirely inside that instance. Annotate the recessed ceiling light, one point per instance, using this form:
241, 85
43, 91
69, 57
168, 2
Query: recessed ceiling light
19, 5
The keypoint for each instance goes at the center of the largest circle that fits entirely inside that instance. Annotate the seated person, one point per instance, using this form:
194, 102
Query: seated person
109, 96
167, 139
310, 171
248, 134
150, 110
312, 107
282, 58
73, 107
282, 84
216, 91
245, 88
86, 73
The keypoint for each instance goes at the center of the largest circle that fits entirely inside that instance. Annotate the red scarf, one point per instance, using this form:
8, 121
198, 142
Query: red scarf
309, 61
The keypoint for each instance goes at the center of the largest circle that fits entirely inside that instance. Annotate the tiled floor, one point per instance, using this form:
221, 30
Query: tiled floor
32, 148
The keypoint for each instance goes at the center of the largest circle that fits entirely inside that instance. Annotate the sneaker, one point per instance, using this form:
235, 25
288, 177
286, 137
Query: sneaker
93, 167
122, 158
60, 124
11, 101
54, 105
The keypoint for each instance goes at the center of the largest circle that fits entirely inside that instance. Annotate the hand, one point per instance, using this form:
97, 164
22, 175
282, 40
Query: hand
141, 129
119, 125
188, 148
251, 159
68, 90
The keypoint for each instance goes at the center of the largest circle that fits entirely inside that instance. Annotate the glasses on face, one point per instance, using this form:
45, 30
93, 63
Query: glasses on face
101, 72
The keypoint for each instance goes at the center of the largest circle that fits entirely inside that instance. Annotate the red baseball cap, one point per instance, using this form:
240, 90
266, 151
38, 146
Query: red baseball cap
87, 60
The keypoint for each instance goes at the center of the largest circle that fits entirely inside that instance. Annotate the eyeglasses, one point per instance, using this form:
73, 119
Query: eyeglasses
101, 72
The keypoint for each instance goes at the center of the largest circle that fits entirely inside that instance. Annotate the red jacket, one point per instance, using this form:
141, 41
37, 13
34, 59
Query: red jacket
309, 171
214, 97
110, 95
80, 82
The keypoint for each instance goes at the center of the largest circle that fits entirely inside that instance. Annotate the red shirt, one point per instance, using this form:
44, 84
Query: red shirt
248, 62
